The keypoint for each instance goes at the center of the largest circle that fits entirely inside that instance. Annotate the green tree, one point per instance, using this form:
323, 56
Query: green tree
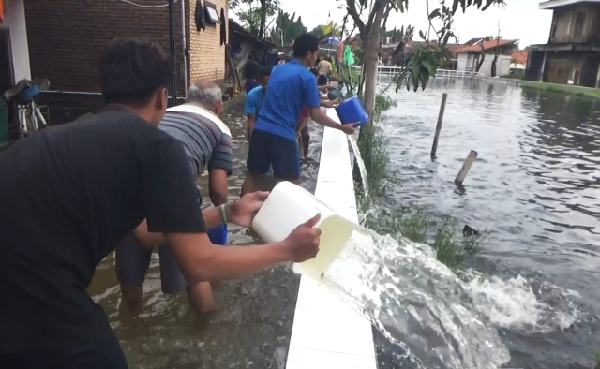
254, 14
370, 18
288, 26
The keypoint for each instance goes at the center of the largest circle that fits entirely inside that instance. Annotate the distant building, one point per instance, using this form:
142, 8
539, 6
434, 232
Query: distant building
572, 54
478, 54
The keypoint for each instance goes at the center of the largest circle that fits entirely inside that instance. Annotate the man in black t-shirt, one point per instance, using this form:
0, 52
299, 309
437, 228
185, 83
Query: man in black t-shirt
68, 194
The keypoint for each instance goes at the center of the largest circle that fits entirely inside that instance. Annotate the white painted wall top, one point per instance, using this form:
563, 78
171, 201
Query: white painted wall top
326, 332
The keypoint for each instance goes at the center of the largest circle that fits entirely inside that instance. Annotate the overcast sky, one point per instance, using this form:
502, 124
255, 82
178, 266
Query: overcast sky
519, 19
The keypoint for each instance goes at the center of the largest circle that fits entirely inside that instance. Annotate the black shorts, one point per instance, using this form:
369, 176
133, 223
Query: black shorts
267, 149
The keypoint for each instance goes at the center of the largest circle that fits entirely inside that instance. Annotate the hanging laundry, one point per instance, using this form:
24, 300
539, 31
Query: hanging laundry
200, 21
348, 56
223, 28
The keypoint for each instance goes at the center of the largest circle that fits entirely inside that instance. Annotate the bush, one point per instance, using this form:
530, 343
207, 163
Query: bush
372, 146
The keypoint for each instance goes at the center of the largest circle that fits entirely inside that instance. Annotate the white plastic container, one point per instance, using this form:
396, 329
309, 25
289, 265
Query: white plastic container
286, 208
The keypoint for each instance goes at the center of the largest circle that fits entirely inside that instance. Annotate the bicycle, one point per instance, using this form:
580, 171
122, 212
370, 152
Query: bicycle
29, 117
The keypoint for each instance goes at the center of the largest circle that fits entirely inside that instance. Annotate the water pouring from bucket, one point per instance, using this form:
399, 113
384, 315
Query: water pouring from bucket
287, 207
406, 293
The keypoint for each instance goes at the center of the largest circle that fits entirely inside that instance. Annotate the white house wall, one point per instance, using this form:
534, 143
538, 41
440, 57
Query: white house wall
14, 19
462, 61
465, 61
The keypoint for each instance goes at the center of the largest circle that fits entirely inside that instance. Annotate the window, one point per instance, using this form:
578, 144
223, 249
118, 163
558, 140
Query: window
579, 24
553, 31
212, 16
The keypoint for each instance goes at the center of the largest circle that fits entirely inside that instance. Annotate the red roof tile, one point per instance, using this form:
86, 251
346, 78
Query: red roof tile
487, 45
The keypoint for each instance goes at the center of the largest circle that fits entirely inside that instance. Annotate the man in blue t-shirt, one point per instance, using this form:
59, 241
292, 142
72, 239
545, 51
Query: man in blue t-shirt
291, 88
255, 98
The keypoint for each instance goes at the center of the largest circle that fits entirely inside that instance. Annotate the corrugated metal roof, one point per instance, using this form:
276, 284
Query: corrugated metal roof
551, 4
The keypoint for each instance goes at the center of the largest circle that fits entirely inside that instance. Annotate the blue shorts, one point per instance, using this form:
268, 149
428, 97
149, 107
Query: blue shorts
132, 260
267, 149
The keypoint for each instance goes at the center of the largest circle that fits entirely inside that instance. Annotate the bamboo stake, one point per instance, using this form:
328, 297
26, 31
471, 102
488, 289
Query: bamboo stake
466, 167
438, 128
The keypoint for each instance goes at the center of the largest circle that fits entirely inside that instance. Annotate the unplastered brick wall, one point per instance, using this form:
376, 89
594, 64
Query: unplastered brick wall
207, 56
66, 37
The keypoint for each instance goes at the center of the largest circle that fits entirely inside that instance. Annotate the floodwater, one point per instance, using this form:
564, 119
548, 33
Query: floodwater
531, 292
252, 326
534, 190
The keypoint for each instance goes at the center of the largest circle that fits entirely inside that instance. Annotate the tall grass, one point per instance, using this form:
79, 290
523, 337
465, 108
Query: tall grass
373, 148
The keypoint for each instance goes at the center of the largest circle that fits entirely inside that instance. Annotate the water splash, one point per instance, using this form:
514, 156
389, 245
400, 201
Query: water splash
416, 302
514, 303
360, 163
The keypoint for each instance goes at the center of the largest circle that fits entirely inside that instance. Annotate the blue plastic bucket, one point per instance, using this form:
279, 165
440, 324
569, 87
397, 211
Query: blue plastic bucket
218, 235
352, 111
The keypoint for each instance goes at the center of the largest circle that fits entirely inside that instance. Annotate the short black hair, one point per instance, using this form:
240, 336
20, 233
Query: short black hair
251, 70
132, 69
266, 70
304, 44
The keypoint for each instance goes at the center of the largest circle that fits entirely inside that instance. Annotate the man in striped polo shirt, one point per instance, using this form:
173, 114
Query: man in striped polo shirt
208, 144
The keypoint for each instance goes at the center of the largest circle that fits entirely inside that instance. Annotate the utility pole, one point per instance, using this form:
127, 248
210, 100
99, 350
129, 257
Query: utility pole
173, 54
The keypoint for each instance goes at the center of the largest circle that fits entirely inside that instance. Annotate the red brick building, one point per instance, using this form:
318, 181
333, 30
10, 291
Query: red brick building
65, 37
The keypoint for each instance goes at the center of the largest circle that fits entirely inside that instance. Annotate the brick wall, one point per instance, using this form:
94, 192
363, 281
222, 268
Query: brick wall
207, 57
66, 38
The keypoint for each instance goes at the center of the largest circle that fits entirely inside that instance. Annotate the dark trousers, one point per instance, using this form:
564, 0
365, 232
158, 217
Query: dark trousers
103, 353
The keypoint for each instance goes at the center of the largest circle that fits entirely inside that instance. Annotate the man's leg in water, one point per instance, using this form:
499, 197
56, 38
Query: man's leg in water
172, 281
285, 156
131, 263
258, 161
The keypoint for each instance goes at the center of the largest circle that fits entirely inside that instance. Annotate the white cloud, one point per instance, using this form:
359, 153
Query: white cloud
519, 19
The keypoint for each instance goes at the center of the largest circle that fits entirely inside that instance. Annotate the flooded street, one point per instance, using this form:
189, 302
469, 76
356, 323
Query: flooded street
253, 325
534, 192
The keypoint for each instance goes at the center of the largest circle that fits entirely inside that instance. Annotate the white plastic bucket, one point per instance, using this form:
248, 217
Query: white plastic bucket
286, 208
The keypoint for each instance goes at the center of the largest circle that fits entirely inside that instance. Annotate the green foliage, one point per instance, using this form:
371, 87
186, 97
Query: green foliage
421, 68
400, 35
372, 146
291, 26
254, 14
382, 103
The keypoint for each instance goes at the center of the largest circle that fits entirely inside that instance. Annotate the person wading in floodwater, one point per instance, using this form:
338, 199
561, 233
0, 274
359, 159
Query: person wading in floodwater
274, 140
69, 194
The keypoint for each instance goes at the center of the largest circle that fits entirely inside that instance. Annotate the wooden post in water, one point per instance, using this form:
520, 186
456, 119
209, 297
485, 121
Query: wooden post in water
438, 128
466, 167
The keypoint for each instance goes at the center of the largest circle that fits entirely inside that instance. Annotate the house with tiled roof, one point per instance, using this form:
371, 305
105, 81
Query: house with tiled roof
572, 54
478, 54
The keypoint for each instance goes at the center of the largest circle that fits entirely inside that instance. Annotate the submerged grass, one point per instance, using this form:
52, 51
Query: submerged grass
452, 247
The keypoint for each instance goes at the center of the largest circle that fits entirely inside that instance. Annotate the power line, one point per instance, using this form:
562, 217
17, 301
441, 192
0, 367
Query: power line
145, 6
